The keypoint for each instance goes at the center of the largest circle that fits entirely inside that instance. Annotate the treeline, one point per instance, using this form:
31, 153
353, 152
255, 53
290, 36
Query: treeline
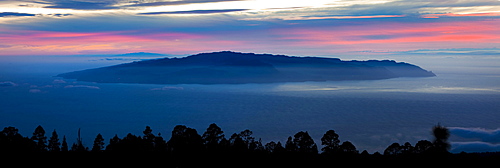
186, 141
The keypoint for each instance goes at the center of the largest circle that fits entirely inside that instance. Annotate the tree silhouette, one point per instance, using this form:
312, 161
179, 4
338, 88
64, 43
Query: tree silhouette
406, 148
331, 142
304, 143
237, 144
64, 145
290, 145
149, 139
131, 143
12, 141
348, 148
256, 146
212, 137
393, 149
441, 134
98, 143
148, 134
184, 140
246, 136
40, 139
364, 153
113, 144
273, 147
78, 145
10, 132
279, 148
423, 146
54, 142
160, 145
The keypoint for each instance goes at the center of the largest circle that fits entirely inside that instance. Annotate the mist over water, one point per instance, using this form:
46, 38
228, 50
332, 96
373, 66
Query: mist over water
370, 114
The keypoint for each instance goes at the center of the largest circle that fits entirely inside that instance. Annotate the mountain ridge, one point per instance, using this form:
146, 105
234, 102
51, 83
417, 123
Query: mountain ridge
227, 67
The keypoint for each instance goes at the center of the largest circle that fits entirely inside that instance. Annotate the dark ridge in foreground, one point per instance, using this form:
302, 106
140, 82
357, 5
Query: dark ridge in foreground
228, 67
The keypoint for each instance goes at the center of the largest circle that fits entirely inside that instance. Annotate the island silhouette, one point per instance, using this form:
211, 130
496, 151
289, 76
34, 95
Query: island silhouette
227, 67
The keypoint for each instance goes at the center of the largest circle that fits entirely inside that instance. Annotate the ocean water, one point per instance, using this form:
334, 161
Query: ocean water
370, 114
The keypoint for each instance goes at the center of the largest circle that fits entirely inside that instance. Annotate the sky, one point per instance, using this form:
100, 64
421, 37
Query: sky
292, 27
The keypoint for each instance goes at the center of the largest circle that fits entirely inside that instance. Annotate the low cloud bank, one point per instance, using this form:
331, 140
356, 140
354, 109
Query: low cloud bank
482, 140
485, 135
476, 146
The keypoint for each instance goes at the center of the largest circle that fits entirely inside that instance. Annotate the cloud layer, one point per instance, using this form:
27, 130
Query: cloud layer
485, 135
68, 27
478, 146
194, 12
114, 4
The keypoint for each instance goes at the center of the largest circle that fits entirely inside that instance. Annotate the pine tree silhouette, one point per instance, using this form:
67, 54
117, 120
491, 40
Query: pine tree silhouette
98, 144
64, 145
54, 144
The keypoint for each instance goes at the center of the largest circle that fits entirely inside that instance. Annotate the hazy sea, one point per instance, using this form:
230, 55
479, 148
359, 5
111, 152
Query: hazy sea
370, 114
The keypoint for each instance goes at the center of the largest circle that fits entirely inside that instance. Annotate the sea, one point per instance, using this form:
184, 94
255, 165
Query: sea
373, 114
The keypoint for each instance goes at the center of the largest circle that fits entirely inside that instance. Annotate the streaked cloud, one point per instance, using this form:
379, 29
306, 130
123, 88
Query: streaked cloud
448, 51
194, 12
14, 14
82, 86
143, 3
321, 17
113, 4
169, 88
7, 84
460, 15
79, 4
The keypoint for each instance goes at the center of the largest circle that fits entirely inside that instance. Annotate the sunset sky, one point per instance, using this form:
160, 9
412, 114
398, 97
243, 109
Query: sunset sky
458, 40
315, 27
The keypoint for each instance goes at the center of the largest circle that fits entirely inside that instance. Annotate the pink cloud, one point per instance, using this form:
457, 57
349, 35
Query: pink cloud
398, 35
46, 42
460, 15
382, 35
